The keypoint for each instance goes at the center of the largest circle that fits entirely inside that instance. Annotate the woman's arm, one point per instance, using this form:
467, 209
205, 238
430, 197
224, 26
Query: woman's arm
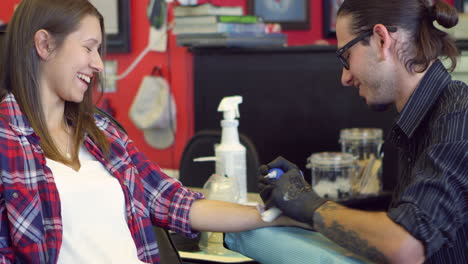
217, 216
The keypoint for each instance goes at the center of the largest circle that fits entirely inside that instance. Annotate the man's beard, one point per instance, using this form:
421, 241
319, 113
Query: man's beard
380, 91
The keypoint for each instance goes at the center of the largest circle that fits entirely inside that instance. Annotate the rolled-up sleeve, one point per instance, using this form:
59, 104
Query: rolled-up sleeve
169, 202
179, 210
435, 205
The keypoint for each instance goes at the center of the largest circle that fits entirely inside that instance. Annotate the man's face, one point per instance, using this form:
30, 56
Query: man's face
373, 77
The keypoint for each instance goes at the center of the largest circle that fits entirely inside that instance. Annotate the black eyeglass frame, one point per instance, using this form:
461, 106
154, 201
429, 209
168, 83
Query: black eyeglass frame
347, 46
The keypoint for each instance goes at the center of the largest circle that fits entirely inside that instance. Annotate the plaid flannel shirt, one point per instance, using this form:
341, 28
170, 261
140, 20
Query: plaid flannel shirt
31, 225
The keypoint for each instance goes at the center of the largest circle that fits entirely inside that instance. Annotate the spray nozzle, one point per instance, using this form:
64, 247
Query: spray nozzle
230, 106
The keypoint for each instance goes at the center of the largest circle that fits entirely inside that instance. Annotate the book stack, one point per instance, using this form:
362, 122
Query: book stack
207, 9
221, 26
232, 40
218, 24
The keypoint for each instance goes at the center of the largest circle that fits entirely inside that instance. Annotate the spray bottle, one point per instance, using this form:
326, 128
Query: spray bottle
230, 153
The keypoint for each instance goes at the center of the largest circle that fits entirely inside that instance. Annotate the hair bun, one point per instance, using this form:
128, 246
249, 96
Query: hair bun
445, 14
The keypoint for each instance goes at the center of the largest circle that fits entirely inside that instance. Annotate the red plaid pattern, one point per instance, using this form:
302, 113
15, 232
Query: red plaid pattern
31, 226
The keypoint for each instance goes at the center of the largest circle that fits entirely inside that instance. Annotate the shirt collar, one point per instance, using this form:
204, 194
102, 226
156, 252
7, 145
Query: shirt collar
423, 98
17, 120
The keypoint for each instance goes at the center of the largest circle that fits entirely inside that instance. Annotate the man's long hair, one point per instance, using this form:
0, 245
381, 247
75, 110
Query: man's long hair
425, 42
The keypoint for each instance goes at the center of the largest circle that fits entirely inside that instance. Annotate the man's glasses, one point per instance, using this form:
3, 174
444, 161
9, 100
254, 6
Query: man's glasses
348, 45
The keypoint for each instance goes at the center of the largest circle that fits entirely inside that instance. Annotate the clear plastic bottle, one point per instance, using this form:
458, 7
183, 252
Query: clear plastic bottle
230, 153
365, 144
332, 174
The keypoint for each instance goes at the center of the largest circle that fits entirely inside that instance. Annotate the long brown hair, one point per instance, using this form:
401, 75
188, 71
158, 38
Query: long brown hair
425, 44
20, 69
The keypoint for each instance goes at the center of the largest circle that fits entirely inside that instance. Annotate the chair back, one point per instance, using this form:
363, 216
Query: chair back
195, 174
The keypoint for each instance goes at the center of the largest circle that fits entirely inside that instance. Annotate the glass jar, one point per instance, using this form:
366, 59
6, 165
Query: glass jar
221, 188
365, 144
332, 173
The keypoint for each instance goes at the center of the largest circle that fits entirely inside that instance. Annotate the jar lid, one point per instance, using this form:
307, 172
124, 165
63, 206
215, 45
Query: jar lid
361, 134
331, 159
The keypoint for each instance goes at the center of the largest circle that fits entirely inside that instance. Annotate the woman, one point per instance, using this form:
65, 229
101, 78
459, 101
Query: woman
74, 188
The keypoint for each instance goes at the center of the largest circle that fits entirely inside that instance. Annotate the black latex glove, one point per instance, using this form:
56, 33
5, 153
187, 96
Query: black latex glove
266, 185
291, 193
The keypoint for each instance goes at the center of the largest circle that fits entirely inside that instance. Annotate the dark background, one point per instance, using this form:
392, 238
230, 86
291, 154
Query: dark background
293, 101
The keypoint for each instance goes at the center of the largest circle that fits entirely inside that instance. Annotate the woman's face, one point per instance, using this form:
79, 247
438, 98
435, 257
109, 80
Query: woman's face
69, 69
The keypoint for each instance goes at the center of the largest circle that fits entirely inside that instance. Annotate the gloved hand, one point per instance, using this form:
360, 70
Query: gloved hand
266, 185
291, 193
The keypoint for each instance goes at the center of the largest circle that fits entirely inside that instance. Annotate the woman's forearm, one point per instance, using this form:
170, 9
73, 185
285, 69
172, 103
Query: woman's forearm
217, 216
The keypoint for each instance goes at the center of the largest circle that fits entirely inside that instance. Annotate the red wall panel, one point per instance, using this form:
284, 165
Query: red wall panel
176, 67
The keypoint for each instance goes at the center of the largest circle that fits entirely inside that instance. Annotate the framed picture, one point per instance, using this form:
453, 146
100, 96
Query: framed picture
117, 22
290, 14
460, 31
330, 8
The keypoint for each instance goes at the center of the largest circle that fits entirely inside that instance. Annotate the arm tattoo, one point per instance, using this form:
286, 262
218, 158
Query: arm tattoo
348, 239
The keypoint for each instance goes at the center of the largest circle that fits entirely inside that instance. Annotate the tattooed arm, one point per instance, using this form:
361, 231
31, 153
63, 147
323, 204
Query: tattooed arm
372, 235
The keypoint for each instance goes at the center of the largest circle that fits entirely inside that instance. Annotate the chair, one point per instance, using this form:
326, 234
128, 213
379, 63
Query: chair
195, 174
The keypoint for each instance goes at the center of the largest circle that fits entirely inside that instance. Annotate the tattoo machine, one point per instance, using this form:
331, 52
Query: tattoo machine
272, 213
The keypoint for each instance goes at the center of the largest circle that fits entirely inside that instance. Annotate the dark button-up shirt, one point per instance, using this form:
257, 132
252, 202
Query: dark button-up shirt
431, 197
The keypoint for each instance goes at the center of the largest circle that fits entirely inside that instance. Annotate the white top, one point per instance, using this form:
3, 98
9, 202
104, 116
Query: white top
95, 226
